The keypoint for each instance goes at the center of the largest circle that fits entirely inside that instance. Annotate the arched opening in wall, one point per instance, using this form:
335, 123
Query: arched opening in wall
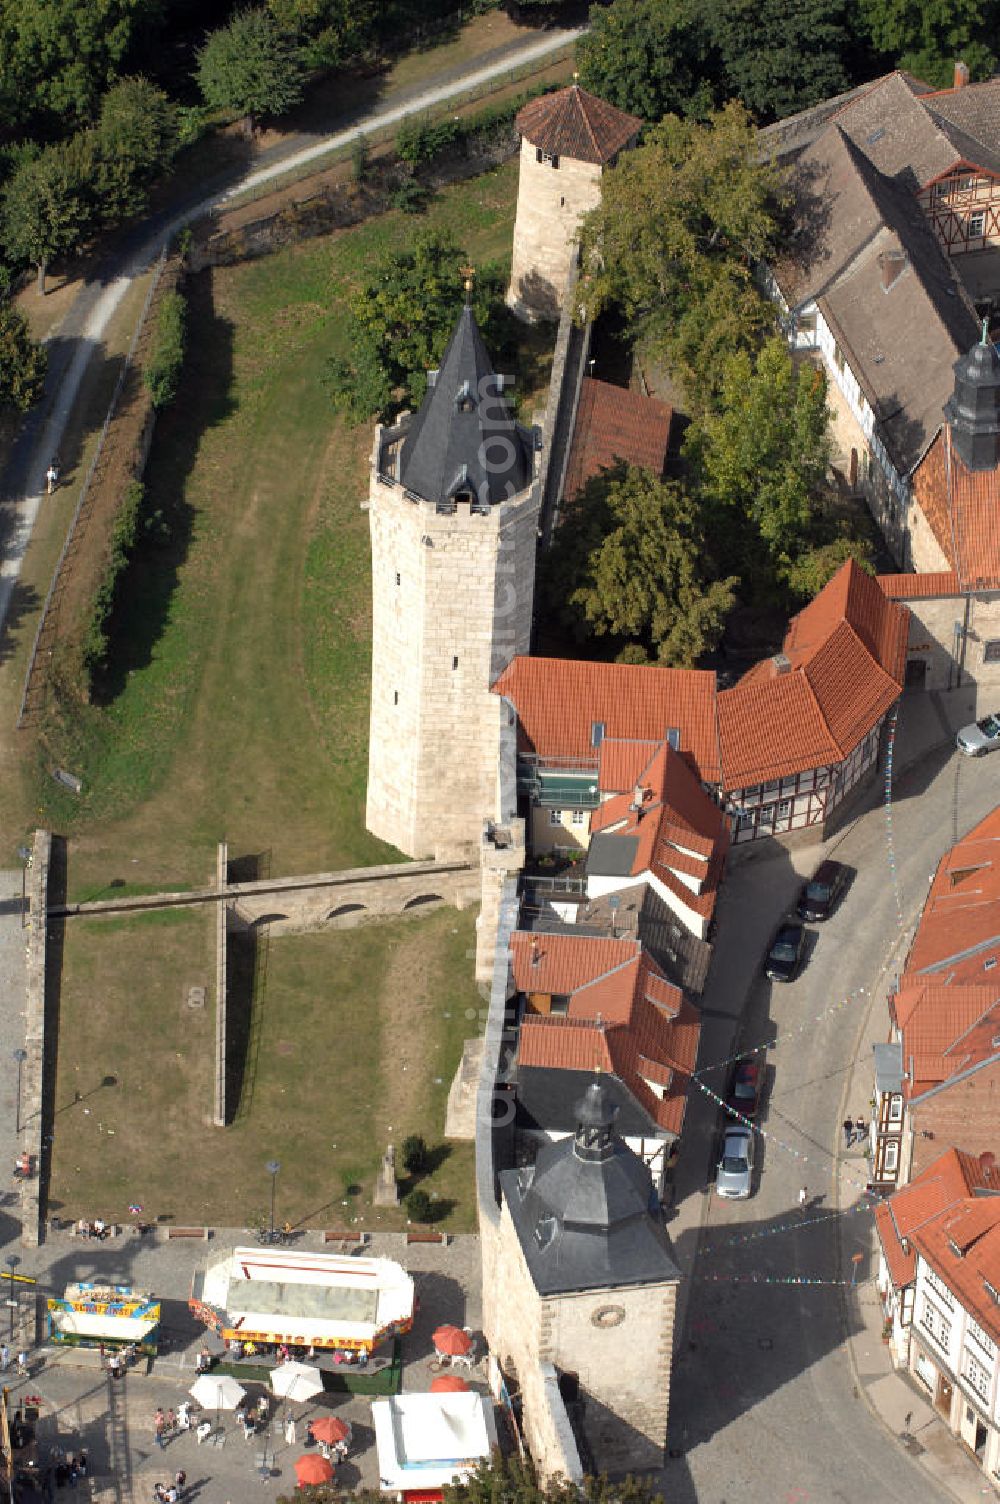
415, 903
346, 908
263, 919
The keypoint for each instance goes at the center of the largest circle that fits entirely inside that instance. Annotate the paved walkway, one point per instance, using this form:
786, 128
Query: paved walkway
78, 340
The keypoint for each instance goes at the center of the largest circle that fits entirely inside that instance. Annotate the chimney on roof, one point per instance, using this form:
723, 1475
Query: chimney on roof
780, 664
535, 953
986, 1162
638, 793
892, 265
961, 75
904, 1244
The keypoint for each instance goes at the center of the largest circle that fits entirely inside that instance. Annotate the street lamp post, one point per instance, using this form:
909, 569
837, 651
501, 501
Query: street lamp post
24, 852
20, 1056
273, 1166
12, 1262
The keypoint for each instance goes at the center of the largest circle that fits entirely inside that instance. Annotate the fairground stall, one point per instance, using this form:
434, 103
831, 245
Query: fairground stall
325, 1301
108, 1316
427, 1440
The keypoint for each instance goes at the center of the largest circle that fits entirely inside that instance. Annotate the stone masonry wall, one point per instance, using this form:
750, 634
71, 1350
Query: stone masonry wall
933, 639
550, 202
451, 605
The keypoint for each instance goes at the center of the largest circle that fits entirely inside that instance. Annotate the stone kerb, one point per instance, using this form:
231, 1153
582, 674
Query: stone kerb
221, 987
34, 1065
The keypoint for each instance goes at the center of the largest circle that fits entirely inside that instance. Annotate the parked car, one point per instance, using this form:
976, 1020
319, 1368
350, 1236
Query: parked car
732, 1179
743, 1095
818, 898
785, 956
979, 738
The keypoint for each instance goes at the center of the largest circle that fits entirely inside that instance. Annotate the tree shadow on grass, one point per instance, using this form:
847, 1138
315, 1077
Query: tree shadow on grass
433, 1161
146, 587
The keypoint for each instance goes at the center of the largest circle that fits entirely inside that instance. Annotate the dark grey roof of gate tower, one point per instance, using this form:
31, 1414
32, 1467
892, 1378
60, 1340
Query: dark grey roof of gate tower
586, 1213
463, 437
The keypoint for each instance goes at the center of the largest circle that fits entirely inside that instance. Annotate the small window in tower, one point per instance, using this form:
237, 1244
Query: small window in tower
562, 200
398, 581
547, 158
395, 697
454, 662
463, 498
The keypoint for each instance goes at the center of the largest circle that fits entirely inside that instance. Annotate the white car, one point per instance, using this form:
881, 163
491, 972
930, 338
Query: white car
732, 1180
979, 738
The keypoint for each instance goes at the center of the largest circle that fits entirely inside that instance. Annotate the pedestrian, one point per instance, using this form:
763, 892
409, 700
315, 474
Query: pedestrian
4, 1357
52, 477
290, 1431
803, 1197
848, 1132
204, 1431
171, 1425
340, 1451
22, 1364
203, 1362
159, 1426
248, 1426
180, 1478
184, 1416
861, 1130
81, 1463
310, 1439
74, 1471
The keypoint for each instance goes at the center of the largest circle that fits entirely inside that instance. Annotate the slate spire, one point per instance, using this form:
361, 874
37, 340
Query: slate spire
463, 445
973, 409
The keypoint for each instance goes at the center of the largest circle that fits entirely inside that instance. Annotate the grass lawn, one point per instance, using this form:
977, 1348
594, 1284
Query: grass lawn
358, 1036
238, 701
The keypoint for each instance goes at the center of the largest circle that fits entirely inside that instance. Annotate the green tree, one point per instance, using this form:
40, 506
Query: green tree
631, 563
682, 220
651, 57
329, 31
136, 139
22, 361
928, 36
399, 324
58, 56
779, 56
47, 206
817, 565
162, 373
419, 1206
762, 455
250, 67
414, 1154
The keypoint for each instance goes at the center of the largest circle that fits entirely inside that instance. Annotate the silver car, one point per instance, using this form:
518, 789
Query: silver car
732, 1179
979, 738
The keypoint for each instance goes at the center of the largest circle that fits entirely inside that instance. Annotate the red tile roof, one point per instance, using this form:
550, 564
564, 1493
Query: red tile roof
846, 655
622, 1015
962, 911
961, 506
621, 762
676, 817
973, 1226
946, 1030
919, 587
952, 1176
573, 123
614, 423
559, 700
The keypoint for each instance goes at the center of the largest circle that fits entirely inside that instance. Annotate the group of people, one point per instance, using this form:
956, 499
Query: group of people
70, 1469
96, 1229
854, 1132
120, 1361
252, 1417
23, 1166
170, 1493
22, 1360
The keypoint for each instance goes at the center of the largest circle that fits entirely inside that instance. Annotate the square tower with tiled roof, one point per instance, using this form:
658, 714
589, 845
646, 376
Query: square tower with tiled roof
453, 508
567, 140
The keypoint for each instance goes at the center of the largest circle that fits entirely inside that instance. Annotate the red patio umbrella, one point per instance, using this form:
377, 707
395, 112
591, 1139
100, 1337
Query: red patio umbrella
449, 1383
453, 1341
331, 1429
313, 1469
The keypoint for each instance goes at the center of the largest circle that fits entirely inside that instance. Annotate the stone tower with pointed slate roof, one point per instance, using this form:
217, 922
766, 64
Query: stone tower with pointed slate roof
583, 1279
567, 140
453, 506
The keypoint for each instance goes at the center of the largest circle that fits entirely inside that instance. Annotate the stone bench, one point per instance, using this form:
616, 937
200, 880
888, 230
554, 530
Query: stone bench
188, 1232
359, 1239
427, 1237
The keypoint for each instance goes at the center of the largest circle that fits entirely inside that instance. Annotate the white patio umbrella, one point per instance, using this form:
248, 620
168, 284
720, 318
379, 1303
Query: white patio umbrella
217, 1392
296, 1381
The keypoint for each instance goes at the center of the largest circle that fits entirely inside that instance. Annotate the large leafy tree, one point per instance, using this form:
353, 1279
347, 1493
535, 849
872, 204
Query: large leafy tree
58, 56
631, 562
329, 31
928, 36
760, 457
251, 67
48, 203
136, 139
400, 320
682, 221
650, 57
22, 361
779, 56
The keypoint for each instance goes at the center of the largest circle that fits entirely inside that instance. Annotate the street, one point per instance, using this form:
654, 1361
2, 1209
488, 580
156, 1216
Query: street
765, 1404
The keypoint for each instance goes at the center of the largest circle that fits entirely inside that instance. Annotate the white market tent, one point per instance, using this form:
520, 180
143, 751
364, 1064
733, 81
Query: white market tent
289, 1295
426, 1440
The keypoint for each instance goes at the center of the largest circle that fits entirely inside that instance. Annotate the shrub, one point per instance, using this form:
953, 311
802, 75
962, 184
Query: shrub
414, 1155
123, 536
163, 368
419, 1207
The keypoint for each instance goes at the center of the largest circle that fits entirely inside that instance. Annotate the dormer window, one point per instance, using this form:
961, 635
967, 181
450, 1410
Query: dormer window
546, 158
545, 1231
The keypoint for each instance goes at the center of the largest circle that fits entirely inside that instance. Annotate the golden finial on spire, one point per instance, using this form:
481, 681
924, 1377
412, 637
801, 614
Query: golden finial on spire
576, 78
469, 277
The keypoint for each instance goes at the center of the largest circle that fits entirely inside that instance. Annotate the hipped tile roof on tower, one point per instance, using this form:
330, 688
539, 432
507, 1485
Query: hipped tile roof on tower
573, 123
